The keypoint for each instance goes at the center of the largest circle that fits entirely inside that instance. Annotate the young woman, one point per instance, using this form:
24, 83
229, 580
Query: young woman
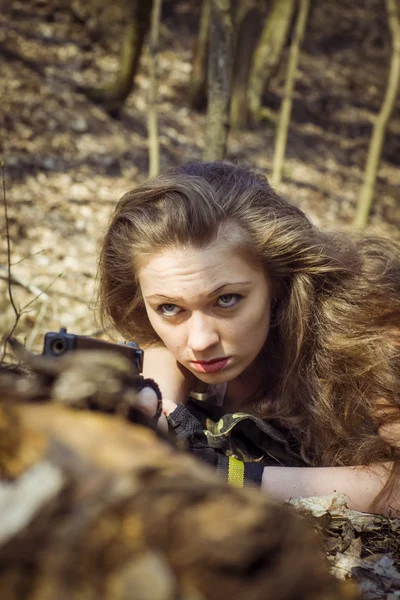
294, 332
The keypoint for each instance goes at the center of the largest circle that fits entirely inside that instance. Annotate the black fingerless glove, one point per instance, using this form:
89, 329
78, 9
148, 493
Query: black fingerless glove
236, 472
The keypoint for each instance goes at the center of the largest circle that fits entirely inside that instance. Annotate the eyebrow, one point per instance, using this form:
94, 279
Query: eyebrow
178, 299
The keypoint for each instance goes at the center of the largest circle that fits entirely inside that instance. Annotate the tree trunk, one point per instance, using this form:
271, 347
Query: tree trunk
220, 64
94, 506
286, 108
247, 28
152, 121
197, 95
375, 147
113, 95
268, 52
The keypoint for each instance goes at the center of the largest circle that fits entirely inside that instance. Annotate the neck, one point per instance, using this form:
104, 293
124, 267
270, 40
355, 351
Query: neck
241, 389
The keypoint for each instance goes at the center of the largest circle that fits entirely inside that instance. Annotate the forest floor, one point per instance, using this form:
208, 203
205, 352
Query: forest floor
67, 161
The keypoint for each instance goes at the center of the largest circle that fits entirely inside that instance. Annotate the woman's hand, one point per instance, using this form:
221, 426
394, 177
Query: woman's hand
173, 381
147, 402
168, 407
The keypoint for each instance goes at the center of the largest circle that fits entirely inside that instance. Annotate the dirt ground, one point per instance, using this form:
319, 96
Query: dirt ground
67, 161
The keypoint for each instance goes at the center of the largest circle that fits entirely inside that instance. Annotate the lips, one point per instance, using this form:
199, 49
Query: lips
210, 366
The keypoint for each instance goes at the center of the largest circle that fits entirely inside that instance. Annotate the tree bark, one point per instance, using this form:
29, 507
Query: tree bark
94, 506
247, 30
286, 108
220, 64
268, 53
152, 120
375, 147
113, 95
197, 95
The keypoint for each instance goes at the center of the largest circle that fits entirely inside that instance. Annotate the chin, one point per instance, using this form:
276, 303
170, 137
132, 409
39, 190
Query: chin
223, 376
211, 377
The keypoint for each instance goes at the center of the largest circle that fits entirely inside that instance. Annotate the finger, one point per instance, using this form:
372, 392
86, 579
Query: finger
147, 401
162, 423
168, 406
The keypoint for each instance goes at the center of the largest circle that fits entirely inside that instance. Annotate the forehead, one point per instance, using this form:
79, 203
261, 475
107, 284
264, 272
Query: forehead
174, 271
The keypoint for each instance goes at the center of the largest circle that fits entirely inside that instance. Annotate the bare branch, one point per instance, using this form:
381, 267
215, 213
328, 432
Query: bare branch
27, 257
42, 295
10, 295
12, 279
16, 279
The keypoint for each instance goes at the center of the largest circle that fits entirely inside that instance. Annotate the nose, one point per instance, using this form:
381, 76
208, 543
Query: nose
203, 332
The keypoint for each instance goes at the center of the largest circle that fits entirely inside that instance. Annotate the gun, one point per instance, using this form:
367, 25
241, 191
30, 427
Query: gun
56, 344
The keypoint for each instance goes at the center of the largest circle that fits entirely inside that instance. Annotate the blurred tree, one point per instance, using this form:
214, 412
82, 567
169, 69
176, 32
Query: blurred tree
378, 134
152, 120
113, 95
220, 64
249, 16
286, 107
197, 95
268, 53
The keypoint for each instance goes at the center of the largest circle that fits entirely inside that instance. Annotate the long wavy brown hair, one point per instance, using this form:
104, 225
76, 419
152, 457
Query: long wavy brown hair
331, 362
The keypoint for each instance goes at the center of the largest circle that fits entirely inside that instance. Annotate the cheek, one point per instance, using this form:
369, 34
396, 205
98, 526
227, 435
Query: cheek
172, 343
158, 325
264, 323
257, 320
169, 335
154, 322
256, 327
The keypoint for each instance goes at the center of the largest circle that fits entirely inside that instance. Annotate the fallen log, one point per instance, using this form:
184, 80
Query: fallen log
93, 506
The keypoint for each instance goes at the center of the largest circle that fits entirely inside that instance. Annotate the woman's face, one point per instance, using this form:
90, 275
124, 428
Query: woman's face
210, 307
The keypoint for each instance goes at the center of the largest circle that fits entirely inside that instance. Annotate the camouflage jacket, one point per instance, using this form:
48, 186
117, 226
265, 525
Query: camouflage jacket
244, 436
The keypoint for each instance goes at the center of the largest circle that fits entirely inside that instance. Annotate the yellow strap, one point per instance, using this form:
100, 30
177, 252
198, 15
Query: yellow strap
235, 472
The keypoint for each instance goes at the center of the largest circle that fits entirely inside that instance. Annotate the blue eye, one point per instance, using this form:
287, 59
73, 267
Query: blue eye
168, 310
228, 300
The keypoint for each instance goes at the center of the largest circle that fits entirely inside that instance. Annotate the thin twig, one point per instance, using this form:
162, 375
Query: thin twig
39, 318
8, 243
28, 256
42, 294
69, 296
16, 279
17, 313
21, 311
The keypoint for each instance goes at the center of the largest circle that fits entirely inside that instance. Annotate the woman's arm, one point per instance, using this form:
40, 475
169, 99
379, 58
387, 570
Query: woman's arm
360, 484
174, 381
